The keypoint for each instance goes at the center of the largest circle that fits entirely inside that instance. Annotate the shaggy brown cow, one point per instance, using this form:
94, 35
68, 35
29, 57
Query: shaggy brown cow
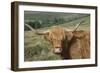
69, 44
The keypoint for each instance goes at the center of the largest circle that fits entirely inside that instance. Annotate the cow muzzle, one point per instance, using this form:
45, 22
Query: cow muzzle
57, 50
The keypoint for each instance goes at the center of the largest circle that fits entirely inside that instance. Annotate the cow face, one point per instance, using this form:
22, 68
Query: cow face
57, 36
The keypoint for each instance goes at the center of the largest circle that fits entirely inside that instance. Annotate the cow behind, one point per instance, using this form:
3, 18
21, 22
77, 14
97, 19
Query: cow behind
78, 47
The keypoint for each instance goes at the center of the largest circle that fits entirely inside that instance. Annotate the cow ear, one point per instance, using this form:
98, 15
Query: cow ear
46, 36
69, 35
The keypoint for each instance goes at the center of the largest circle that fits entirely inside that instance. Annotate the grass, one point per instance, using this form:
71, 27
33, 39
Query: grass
36, 48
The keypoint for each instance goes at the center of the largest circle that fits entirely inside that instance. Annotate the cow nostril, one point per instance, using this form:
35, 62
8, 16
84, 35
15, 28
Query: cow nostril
60, 49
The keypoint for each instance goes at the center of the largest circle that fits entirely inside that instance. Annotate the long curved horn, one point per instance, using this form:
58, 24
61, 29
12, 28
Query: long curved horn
29, 27
37, 31
76, 27
42, 32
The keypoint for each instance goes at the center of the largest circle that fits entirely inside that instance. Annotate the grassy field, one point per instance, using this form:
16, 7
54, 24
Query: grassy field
36, 48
